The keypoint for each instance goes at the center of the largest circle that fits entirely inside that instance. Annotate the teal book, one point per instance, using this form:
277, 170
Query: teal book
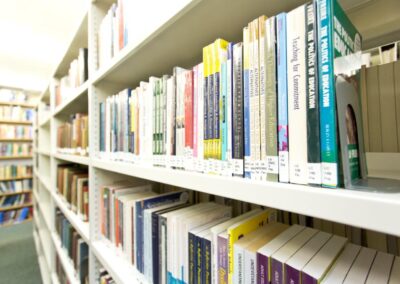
224, 110
337, 37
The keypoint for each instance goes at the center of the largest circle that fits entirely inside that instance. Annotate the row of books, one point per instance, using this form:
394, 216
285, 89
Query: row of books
15, 185
9, 95
73, 244
77, 75
170, 240
16, 113
11, 171
15, 216
15, 132
15, 149
105, 277
238, 105
14, 200
73, 135
73, 186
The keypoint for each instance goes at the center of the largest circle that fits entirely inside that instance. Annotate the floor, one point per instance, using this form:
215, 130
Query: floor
18, 259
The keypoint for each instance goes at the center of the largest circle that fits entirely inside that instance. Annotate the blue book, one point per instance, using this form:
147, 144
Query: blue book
246, 103
1, 217
147, 203
337, 37
223, 110
283, 134
23, 215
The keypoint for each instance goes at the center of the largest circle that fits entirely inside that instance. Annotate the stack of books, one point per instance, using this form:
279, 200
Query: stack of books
73, 135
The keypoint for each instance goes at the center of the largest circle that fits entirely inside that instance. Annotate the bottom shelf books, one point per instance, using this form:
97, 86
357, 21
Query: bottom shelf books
169, 240
15, 216
75, 247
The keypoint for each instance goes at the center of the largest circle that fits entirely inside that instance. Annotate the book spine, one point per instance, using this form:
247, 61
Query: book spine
250, 267
211, 102
292, 275
217, 98
229, 102
188, 109
328, 128
271, 98
223, 111
195, 110
192, 262
207, 261
237, 115
313, 131
307, 279
155, 248
263, 82
283, 133
297, 95
201, 106
276, 272
205, 101
199, 261
238, 270
262, 269
222, 260
246, 103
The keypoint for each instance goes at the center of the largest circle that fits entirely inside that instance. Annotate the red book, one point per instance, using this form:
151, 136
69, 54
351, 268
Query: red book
86, 203
189, 109
120, 24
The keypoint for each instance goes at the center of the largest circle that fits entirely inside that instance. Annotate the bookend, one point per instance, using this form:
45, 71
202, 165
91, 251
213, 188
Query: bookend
353, 158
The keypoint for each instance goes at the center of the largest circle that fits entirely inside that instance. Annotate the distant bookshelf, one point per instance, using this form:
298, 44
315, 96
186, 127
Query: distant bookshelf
14, 207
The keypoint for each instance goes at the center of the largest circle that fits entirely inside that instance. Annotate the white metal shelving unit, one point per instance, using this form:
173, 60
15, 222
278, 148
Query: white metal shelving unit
176, 37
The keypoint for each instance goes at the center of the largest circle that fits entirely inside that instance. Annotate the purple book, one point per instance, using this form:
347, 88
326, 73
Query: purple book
223, 258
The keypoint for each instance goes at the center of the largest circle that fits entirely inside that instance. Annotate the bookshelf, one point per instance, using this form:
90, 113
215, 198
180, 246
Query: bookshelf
176, 39
15, 114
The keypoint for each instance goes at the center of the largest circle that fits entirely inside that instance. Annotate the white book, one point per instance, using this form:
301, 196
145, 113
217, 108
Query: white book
319, 265
281, 256
108, 125
251, 100
173, 233
218, 229
297, 110
269, 249
200, 112
170, 110
339, 270
358, 272
180, 111
150, 116
380, 270
219, 212
395, 273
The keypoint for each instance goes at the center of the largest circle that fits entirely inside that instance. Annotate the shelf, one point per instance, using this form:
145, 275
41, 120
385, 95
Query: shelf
15, 223
66, 262
83, 160
39, 205
45, 121
27, 105
15, 178
338, 205
3, 121
16, 140
15, 193
43, 152
15, 207
119, 268
81, 227
43, 181
15, 157
44, 269
76, 99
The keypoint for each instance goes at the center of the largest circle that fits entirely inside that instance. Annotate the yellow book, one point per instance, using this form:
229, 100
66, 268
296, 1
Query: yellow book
239, 230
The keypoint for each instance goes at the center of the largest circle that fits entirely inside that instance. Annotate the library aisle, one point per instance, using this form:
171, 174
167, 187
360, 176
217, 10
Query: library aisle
200, 142
18, 257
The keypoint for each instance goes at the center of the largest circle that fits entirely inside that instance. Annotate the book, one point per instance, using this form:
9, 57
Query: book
294, 266
342, 265
319, 265
337, 38
271, 101
380, 269
313, 131
361, 266
281, 256
264, 253
246, 103
296, 68
395, 272
242, 228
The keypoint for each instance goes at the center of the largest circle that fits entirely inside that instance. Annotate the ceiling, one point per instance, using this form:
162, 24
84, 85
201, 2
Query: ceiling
34, 35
